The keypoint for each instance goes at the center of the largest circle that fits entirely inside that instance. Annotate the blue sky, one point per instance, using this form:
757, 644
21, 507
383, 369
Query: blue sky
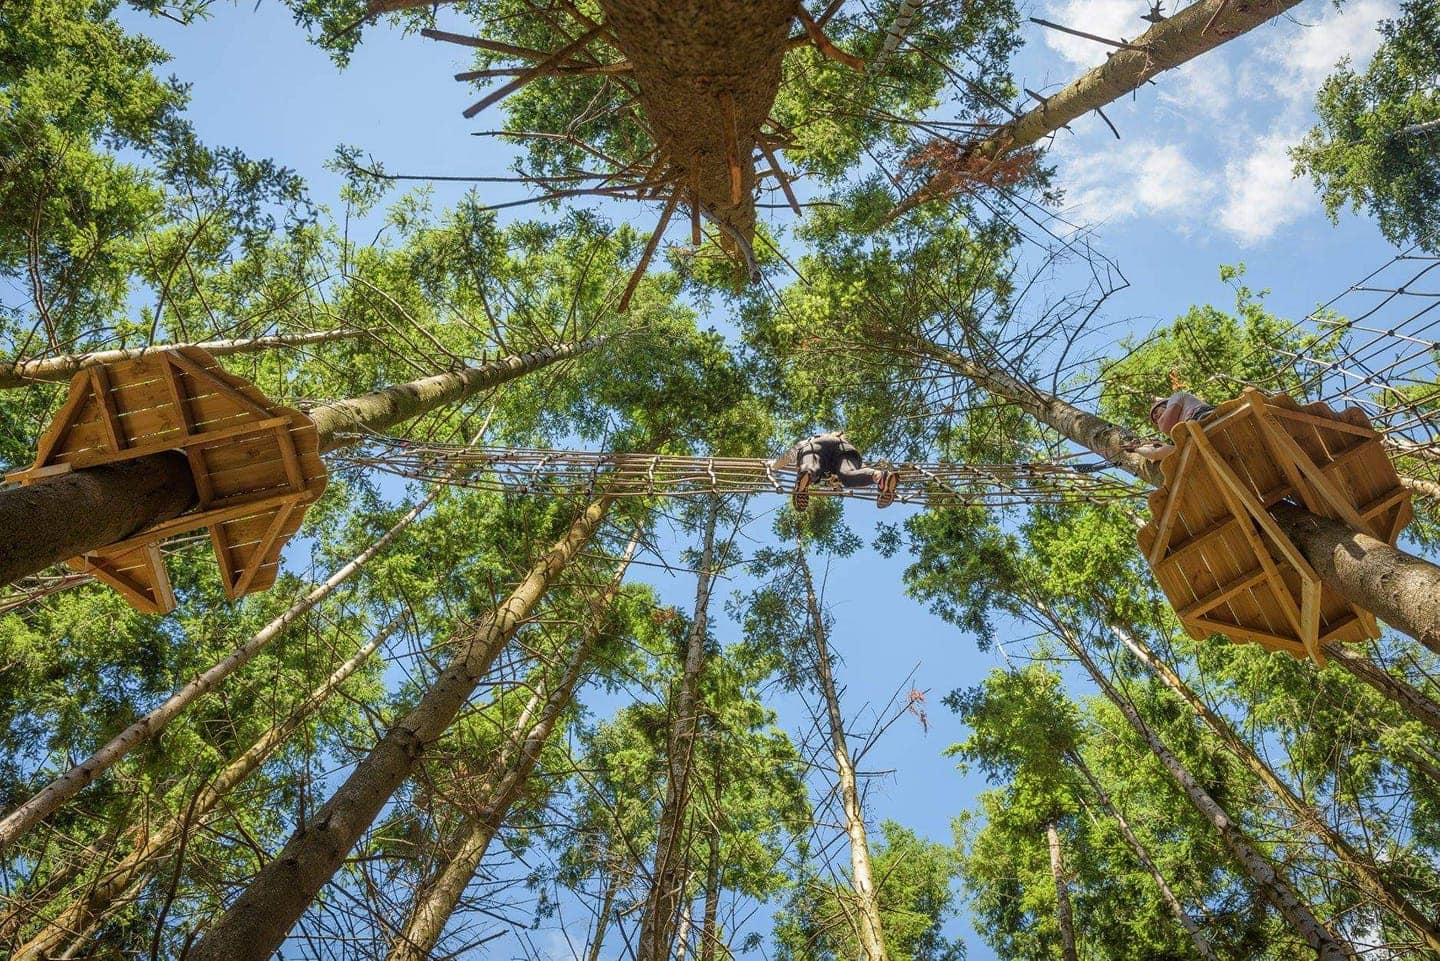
1198, 179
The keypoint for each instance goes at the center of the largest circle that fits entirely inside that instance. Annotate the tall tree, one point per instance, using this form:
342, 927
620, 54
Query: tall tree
507, 777
1377, 143
1170, 42
669, 876
257, 923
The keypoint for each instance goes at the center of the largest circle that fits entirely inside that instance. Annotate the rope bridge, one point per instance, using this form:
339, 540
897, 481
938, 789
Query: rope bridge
584, 473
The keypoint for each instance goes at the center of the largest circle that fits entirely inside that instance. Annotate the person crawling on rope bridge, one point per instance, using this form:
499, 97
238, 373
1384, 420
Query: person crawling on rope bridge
1168, 412
831, 455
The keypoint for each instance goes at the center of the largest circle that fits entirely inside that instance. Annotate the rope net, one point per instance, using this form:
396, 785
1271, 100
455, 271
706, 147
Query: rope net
1381, 341
585, 473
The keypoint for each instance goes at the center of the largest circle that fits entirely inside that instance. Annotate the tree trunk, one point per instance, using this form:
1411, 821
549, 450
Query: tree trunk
1197, 937
1401, 589
1420, 707
62, 517
1063, 916
668, 878
709, 929
607, 907
871, 930
1418, 129
102, 894
1362, 867
1188, 33
259, 920
57, 792
24, 373
690, 58
1274, 887
682, 930
436, 900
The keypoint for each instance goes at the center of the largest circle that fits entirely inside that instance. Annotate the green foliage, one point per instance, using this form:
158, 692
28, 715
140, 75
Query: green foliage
1377, 145
913, 888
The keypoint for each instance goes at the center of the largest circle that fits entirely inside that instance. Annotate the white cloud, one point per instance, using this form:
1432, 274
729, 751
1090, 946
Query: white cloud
1211, 151
1261, 193
1135, 179
1111, 19
1304, 54
1203, 88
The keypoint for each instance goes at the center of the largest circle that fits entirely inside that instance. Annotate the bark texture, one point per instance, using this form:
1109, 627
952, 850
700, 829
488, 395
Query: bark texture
1269, 882
1420, 707
1064, 917
102, 894
868, 924
708, 72
22, 373
667, 880
52, 520
1362, 868
1401, 589
259, 920
57, 792
1203, 950
62, 517
436, 901
1190, 32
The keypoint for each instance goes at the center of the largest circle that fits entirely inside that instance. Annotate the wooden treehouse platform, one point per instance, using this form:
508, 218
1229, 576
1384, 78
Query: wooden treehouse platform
256, 465
1221, 559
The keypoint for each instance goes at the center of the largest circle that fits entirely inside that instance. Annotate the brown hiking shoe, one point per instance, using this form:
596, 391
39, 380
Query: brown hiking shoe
801, 497
887, 483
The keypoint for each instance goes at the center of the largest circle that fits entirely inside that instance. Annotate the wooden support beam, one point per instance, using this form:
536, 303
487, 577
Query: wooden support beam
1172, 506
1241, 501
109, 416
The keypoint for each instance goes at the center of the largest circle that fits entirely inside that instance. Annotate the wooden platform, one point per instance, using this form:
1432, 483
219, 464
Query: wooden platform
1218, 555
256, 465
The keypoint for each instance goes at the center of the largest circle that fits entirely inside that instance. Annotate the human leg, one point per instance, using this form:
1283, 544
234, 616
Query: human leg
807, 470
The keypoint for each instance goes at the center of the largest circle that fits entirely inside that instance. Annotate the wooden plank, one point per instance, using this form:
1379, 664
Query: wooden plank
1195, 542
1326, 422
135, 589
109, 416
1310, 620
238, 430
1248, 502
1333, 499
291, 459
164, 591
194, 521
256, 555
1222, 594
178, 396
1336, 628
1238, 498
81, 387
200, 472
221, 544
32, 474
221, 386
1167, 520
1269, 435
1287, 644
